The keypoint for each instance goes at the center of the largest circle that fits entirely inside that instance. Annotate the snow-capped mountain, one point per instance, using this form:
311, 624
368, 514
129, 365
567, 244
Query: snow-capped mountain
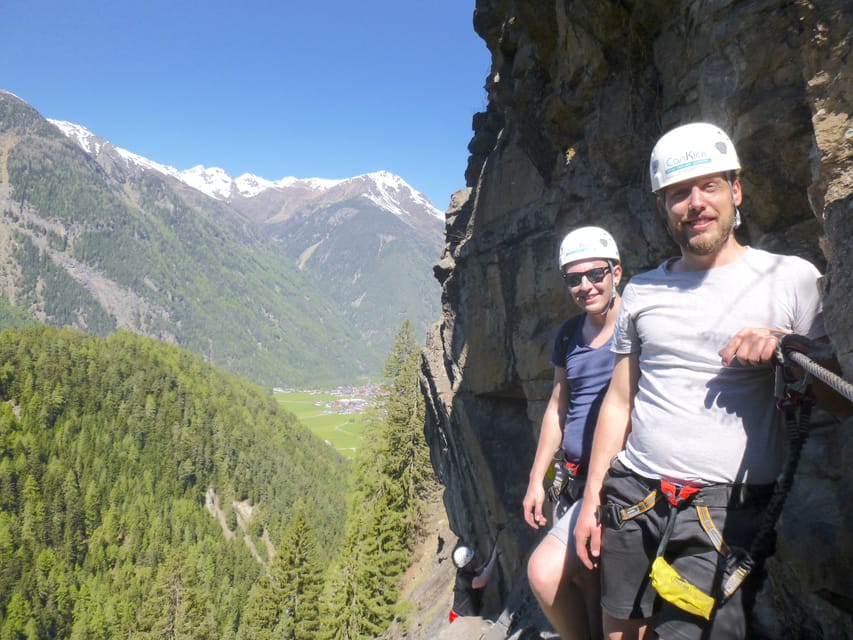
93, 144
383, 188
368, 243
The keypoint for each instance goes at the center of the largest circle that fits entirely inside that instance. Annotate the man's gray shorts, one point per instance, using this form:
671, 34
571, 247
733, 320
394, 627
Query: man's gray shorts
627, 553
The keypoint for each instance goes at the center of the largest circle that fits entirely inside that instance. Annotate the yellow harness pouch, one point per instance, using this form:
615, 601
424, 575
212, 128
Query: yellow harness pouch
677, 591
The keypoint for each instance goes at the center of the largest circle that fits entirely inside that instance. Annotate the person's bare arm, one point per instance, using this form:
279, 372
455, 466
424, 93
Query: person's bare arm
550, 439
758, 346
482, 578
611, 431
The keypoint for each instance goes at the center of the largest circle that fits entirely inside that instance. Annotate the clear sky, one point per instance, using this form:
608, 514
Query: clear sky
276, 88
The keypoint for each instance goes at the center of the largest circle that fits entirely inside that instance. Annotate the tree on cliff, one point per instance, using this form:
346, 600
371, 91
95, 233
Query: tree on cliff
392, 476
404, 447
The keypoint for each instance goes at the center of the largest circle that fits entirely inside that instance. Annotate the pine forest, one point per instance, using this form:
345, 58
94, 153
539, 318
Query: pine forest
146, 494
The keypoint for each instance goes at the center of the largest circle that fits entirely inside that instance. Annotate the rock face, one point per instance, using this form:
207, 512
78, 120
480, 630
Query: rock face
579, 91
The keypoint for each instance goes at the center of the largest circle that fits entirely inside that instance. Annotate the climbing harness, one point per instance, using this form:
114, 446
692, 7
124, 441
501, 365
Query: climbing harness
568, 480
669, 584
794, 400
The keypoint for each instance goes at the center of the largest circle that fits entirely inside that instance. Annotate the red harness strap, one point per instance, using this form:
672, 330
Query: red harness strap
574, 468
676, 494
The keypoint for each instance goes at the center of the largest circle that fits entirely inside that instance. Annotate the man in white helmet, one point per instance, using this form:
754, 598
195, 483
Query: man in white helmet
583, 362
471, 578
687, 445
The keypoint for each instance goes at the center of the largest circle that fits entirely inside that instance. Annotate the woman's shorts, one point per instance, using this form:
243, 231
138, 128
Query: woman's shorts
564, 528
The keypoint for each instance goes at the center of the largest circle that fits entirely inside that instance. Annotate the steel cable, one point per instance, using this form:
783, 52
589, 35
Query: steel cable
835, 381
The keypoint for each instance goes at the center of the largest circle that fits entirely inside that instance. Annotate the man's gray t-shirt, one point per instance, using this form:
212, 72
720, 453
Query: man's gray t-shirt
694, 420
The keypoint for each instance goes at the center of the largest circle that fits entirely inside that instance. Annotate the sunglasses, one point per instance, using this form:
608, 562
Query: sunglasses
593, 275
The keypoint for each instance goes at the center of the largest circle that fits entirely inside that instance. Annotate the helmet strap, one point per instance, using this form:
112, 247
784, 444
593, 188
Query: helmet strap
613, 280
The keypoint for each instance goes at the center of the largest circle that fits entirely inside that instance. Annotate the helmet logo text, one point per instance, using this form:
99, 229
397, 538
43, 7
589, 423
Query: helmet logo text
688, 159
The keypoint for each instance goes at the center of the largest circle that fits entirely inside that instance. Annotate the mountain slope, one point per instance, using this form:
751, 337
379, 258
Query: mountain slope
116, 456
368, 242
99, 242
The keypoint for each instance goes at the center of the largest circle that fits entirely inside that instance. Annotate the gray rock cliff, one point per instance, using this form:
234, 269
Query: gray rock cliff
579, 90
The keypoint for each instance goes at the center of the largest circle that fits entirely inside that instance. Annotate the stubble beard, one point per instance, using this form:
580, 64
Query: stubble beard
704, 244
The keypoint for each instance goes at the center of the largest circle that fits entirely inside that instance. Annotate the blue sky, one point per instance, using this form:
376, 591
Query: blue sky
274, 88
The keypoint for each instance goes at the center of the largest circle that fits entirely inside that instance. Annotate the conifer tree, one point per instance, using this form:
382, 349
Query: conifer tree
344, 608
284, 603
406, 452
177, 609
392, 475
297, 567
262, 612
19, 621
404, 347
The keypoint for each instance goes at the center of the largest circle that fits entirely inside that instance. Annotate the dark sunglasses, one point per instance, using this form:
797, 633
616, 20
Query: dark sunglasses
593, 275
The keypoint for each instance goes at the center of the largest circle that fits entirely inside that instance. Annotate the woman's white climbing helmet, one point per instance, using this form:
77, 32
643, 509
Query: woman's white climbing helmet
587, 243
690, 151
462, 556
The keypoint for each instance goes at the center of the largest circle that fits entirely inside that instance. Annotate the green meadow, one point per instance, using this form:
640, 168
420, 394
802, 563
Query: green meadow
326, 416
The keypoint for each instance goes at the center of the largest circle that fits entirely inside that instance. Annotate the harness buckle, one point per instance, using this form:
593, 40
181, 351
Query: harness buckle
739, 564
553, 494
609, 515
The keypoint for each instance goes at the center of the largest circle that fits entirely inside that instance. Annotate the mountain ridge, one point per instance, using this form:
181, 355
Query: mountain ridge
282, 287
219, 184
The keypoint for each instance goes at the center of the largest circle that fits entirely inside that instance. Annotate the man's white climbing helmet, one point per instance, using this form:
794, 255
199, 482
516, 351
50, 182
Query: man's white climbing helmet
462, 556
690, 151
587, 243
